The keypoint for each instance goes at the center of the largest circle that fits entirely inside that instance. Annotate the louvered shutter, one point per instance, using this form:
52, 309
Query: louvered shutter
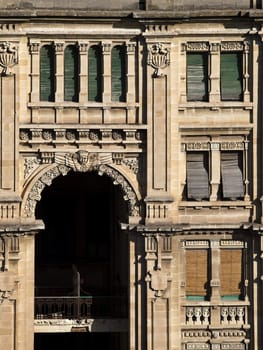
47, 73
197, 175
71, 73
232, 177
196, 272
231, 76
95, 74
118, 74
230, 272
197, 77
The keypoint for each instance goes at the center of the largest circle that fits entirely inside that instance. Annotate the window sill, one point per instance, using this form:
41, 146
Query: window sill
214, 106
215, 205
81, 105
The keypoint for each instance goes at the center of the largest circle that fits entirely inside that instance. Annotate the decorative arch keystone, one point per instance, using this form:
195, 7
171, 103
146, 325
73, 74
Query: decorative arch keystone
81, 161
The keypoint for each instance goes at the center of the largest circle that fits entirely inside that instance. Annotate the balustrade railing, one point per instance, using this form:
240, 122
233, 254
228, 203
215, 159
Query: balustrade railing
232, 315
81, 307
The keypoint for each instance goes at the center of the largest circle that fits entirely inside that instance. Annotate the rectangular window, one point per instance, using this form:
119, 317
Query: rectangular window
232, 175
196, 273
231, 75
197, 76
231, 273
197, 175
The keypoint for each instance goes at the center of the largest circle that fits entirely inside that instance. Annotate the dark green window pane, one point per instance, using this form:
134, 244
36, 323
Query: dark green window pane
118, 74
47, 73
71, 73
95, 74
231, 76
197, 76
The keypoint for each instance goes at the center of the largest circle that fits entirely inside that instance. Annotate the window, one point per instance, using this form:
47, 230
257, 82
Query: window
232, 175
71, 73
196, 273
197, 76
95, 74
47, 73
118, 73
197, 175
231, 273
231, 76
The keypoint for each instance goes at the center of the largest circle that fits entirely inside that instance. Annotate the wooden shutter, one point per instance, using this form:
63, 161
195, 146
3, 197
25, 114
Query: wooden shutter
71, 73
231, 76
196, 272
47, 73
197, 175
231, 272
197, 76
232, 177
118, 74
95, 74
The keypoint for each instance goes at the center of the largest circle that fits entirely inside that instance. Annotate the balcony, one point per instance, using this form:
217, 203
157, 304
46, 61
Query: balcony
83, 307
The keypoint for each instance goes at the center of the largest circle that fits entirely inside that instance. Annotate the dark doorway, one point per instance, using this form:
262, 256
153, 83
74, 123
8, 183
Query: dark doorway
82, 212
77, 341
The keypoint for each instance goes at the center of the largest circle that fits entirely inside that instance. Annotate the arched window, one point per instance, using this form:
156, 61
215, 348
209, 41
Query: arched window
71, 73
95, 74
47, 73
118, 73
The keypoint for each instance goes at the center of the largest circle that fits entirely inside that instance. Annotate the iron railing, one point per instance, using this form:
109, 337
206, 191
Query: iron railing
81, 307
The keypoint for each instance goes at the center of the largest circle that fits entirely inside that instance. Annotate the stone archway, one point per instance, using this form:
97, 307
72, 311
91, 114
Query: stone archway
81, 161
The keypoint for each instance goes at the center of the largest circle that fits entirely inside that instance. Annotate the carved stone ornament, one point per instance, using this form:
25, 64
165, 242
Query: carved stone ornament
196, 46
30, 164
4, 295
158, 282
232, 46
8, 56
158, 58
81, 161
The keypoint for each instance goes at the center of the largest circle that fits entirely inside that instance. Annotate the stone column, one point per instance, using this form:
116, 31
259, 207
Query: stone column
59, 53
215, 170
106, 51
83, 75
214, 77
35, 67
131, 88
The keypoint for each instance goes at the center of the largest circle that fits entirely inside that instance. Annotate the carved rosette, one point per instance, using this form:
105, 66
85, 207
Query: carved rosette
158, 58
81, 161
8, 56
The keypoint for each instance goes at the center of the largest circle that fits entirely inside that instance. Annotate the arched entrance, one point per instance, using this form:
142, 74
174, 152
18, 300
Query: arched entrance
81, 269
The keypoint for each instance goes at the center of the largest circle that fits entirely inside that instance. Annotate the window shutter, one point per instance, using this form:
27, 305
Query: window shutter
118, 74
71, 73
196, 272
232, 177
95, 74
47, 73
197, 175
231, 76
231, 272
197, 76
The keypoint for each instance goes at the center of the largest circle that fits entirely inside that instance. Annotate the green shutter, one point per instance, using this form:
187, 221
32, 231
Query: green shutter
197, 76
118, 74
231, 76
95, 74
197, 175
71, 73
47, 73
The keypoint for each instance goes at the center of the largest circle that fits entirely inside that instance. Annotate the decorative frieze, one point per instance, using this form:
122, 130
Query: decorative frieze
195, 46
158, 58
232, 46
231, 243
232, 145
197, 346
197, 146
196, 244
210, 145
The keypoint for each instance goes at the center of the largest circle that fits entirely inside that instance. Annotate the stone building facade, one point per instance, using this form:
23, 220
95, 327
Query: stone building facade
130, 175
